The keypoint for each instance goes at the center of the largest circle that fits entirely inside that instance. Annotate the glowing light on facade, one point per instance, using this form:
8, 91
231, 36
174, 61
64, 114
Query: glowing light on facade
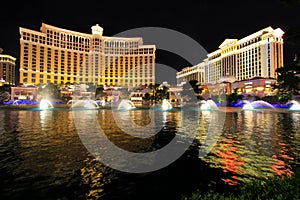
7, 69
257, 55
61, 56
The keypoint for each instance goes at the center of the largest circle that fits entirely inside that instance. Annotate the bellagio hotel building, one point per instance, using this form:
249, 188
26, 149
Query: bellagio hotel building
255, 56
61, 56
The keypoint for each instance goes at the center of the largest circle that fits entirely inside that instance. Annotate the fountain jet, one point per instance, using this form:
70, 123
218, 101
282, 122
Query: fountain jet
45, 104
295, 105
126, 104
256, 105
166, 105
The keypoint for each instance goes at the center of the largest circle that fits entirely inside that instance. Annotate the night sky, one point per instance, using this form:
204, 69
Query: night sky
208, 22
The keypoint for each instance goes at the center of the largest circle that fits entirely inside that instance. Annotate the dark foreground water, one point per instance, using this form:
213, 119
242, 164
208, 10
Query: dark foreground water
42, 156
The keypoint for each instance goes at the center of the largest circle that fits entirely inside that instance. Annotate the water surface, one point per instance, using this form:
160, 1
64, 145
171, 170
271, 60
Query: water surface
43, 157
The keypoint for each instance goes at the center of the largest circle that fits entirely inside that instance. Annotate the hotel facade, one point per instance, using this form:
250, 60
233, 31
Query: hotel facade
7, 69
256, 56
59, 56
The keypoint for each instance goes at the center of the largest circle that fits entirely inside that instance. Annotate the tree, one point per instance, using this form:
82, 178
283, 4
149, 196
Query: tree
234, 97
147, 97
4, 96
162, 93
5, 88
99, 92
51, 91
196, 87
188, 92
288, 81
91, 87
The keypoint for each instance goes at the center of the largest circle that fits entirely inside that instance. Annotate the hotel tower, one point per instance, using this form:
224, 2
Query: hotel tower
7, 69
61, 56
255, 56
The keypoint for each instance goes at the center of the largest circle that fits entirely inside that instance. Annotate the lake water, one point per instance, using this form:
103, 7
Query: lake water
42, 155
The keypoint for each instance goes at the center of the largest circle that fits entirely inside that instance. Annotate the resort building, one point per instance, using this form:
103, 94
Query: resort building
255, 56
187, 74
7, 69
61, 56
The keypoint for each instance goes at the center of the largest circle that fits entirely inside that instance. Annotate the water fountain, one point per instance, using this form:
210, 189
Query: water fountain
70, 102
20, 102
208, 105
295, 105
16, 102
87, 103
101, 102
45, 104
126, 104
256, 105
166, 105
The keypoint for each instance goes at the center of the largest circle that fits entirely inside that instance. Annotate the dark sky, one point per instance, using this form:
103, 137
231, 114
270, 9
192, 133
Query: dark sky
206, 21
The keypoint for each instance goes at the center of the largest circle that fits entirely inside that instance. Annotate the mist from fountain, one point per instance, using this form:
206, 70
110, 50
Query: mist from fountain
258, 104
166, 105
126, 104
295, 105
208, 105
86, 103
45, 104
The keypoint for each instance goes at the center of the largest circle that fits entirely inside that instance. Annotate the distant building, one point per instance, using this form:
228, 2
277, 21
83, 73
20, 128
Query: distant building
25, 92
255, 56
196, 72
61, 56
7, 69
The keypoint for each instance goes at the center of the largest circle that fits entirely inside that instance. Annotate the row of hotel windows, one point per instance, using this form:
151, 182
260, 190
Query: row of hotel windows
7, 71
214, 76
86, 40
62, 79
63, 54
256, 49
6, 59
83, 44
249, 42
75, 60
57, 43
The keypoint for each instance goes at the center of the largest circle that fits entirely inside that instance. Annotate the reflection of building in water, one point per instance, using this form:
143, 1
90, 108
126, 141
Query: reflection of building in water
60, 56
280, 167
232, 163
256, 56
283, 141
269, 146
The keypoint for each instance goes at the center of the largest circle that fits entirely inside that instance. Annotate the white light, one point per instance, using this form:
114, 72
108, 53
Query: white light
278, 32
248, 107
45, 104
166, 105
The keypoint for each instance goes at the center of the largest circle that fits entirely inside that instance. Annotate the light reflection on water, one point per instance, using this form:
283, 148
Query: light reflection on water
41, 155
257, 145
